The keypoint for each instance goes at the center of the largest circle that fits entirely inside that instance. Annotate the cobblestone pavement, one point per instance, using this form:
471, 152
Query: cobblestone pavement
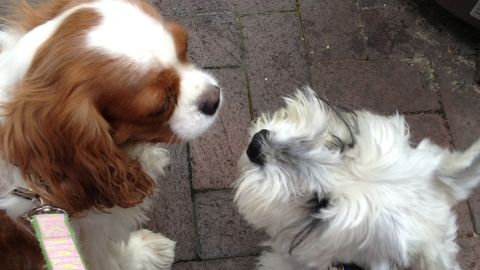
383, 55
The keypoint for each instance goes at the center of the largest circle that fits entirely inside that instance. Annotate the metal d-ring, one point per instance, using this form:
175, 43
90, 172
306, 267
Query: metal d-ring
44, 210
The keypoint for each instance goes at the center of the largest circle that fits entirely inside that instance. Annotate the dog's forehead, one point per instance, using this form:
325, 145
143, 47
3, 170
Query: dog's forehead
127, 30
285, 127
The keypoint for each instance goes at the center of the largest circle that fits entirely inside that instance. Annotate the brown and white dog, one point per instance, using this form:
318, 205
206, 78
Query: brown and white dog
84, 84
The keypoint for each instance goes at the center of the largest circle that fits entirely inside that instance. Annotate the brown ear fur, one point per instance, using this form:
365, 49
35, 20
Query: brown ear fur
25, 16
54, 132
180, 38
64, 144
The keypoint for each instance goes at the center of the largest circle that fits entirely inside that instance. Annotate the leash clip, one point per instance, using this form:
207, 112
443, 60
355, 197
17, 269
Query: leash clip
25, 193
42, 209
53, 231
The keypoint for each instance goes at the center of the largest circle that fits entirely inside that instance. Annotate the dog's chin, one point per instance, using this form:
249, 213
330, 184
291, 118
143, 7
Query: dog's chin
253, 200
187, 128
262, 200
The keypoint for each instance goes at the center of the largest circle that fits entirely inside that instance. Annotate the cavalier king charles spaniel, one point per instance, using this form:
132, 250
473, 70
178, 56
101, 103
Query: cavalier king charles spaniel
87, 89
332, 186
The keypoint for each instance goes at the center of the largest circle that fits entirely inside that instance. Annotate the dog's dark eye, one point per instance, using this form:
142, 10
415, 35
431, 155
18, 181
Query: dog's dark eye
315, 204
336, 144
323, 203
163, 108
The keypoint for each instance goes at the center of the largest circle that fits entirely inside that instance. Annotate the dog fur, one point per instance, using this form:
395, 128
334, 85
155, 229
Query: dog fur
332, 186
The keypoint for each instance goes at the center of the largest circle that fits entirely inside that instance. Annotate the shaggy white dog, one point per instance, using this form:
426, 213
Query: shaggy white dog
331, 186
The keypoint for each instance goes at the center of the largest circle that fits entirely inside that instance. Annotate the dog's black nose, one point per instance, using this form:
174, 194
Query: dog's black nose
210, 101
254, 150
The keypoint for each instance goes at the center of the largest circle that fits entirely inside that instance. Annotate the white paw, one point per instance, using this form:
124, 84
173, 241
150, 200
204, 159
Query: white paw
153, 157
150, 251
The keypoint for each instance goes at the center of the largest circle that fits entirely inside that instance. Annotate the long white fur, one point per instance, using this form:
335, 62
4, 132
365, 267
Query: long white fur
390, 203
127, 32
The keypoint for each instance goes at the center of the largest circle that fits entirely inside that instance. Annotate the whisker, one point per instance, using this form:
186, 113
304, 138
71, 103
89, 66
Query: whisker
177, 150
203, 62
195, 148
171, 139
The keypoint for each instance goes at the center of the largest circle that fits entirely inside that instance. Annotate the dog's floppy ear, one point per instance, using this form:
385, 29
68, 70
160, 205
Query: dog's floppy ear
61, 144
460, 171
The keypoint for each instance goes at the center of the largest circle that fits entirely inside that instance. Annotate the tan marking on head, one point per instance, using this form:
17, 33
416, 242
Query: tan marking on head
180, 37
26, 16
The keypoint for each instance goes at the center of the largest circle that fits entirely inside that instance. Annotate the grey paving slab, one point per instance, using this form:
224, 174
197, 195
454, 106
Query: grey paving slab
3, 10
461, 100
406, 33
381, 3
244, 6
214, 40
172, 213
332, 29
467, 240
216, 154
243, 263
384, 86
275, 58
165, 6
221, 229
391, 34
474, 201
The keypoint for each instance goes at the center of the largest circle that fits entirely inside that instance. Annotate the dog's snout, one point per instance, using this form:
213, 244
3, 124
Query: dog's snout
254, 150
210, 100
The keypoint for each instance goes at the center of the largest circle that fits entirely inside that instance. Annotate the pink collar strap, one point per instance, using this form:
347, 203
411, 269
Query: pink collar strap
58, 241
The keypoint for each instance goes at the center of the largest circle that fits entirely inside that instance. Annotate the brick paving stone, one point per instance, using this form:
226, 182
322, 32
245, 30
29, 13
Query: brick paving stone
394, 34
461, 100
221, 229
165, 6
332, 30
5, 6
216, 154
172, 213
3, 10
244, 6
430, 126
467, 240
214, 40
384, 87
274, 55
474, 201
243, 263
460, 37
404, 33
380, 3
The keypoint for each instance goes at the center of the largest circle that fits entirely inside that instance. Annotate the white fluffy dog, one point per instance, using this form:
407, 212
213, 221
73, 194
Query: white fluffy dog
330, 186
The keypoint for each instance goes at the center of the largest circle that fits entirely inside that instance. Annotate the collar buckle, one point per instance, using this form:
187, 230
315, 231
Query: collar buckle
25, 193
